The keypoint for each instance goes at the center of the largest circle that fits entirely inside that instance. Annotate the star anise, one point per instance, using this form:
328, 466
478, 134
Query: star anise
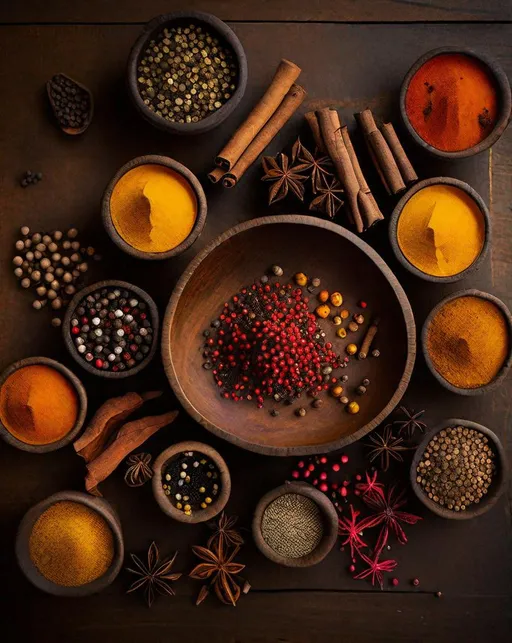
312, 164
284, 176
376, 568
351, 529
153, 577
386, 446
387, 512
328, 200
139, 470
411, 422
219, 566
371, 486
224, 533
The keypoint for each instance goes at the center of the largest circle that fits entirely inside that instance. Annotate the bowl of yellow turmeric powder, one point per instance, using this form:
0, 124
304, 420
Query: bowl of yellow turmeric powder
70, 544
154, 208
440, 230
42, 405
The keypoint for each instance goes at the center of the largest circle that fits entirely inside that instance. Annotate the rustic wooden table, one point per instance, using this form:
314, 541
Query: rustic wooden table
353, 55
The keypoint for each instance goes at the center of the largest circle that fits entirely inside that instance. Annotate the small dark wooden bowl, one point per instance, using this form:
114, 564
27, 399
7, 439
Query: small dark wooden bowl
82, 402
505, 99
495, 490
104, 509
195, 185
166, 505
68, 339
393, 227
330, 522
73, 131
498, 380
343, 262
225, 33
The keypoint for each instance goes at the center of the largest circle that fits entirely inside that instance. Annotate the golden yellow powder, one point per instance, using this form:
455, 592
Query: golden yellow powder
441, 230
71, 544
153, 208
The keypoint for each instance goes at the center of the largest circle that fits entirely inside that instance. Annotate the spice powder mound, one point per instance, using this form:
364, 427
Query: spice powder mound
71, 545
292, 525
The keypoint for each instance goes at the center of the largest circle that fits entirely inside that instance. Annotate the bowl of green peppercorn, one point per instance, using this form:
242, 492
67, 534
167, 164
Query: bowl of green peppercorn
187, 71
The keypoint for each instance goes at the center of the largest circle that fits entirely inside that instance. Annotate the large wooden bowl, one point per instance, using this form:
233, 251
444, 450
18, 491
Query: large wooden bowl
343, 262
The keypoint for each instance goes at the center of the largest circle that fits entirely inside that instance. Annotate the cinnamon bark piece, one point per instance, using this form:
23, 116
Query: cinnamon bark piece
401, 158
216, 174
368, 339
315, 131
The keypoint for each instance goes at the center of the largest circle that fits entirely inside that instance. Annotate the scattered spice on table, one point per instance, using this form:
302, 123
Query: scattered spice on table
112, 329
386, 446
71, 102
71, 544
191, 481
411, 422
153, 208
38, 404
292, 525
186, 73
457, 468
139, 470
452, 102
468, 341
441, 230
31, 178
154, 577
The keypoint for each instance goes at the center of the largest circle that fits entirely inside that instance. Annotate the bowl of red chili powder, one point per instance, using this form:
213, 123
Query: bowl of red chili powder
455, 103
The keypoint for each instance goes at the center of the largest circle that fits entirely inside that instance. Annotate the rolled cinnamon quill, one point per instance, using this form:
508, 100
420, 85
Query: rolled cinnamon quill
216, 174
312, 121
401, 158
283, 113
368, 339
286, 74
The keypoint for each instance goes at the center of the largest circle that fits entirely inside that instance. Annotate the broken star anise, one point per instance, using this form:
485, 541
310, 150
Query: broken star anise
224, 533
139, 470
155, 577
328, 200
219, 567
284, 177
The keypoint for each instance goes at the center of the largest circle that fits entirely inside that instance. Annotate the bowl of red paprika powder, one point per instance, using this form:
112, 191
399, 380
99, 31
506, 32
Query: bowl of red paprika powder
455, 102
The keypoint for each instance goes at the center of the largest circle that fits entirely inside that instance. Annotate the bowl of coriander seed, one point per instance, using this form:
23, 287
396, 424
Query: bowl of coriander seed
187, 72
459, 469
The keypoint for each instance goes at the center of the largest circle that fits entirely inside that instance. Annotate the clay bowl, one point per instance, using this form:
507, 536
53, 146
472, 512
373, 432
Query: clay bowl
73, 131
393, 229
104, 509
330, 524
495, 490
503, 87
163, 501
82, 401
194, 184
343, 262
182, 18
68, 338
498, 380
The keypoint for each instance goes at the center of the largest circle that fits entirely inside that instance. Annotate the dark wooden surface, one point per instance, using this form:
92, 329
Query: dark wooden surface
351, 66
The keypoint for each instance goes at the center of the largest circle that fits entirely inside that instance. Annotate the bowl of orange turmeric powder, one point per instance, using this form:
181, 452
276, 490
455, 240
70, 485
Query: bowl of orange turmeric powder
154, 208
42, 405
455, 102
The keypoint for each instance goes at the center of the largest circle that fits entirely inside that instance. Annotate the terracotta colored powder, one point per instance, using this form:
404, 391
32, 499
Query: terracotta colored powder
153, 208
71, 544
452, 102
441, 230
468, 341
38, 405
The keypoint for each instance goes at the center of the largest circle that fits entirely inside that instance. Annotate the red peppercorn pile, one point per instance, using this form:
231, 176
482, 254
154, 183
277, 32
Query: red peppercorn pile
267, 344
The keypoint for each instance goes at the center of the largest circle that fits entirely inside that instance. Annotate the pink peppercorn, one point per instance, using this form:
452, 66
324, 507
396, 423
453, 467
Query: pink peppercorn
300, 464
336, 467
323, 460
344, 458
416, 582
343, 492
311, 467
324, 487
394, 582
358, 477
295, 474
352, 569
362, 304
306, 474
323, 476
315, 482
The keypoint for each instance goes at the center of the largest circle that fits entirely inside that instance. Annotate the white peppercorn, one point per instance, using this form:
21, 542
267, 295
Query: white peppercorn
25, 283
25, 230
19, 245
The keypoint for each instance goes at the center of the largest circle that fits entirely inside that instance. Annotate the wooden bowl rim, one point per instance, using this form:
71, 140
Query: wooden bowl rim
395, 217
73, 131
104, 509
327, 510
502, 373
505, 98
226, 34
163, 501
493, 494
73, 304
82, 405
305, 449
166, 161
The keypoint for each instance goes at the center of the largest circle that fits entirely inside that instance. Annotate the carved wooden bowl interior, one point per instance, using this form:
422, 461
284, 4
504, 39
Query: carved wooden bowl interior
344, 263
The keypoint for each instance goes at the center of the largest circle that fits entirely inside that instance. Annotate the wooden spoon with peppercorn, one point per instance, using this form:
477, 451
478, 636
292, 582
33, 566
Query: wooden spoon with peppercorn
71, 102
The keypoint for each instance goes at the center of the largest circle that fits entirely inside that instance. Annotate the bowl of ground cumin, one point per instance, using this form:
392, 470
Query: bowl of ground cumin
70, 544
455, 102
467, 342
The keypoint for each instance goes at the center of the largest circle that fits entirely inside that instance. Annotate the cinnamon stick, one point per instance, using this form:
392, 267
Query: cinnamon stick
401, 158
368, 339
382, 155
129, 437
286, 74
283, 113
107, 419
315, 131
216, 174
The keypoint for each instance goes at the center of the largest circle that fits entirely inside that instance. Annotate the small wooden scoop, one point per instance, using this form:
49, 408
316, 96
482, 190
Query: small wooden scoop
73, 131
